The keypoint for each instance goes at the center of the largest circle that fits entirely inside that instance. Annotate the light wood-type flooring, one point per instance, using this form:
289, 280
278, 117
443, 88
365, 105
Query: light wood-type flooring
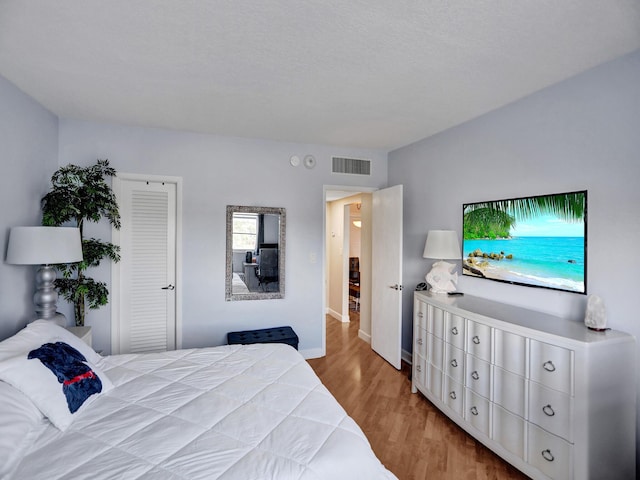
408, 434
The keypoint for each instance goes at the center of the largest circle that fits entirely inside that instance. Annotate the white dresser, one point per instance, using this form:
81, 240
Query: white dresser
551, 397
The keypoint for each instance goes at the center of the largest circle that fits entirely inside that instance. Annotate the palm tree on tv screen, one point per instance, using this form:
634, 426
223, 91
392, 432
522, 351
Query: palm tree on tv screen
495, 219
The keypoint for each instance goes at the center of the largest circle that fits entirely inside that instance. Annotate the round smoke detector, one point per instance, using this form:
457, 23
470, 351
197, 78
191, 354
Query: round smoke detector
309, 161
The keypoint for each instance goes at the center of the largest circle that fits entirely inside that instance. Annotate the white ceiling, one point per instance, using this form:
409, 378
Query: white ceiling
359, 73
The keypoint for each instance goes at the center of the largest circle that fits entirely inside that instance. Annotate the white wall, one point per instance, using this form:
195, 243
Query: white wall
29, 143
583, 133
354, 232
337, 255
220, 171
335, 258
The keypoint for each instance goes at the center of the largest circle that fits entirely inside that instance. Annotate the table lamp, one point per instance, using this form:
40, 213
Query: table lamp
442, 245
45, 246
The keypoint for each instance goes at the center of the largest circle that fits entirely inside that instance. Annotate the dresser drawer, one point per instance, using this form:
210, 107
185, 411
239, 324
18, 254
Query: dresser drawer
479, 340
435, 351
509, 430
509, 391
510, 352
551, 366
420, 314
551, 410
477, 411
453, 395
550, 454
420, 342
478, 375
454, 330
434, 381
420, 372
454, 362
435, 323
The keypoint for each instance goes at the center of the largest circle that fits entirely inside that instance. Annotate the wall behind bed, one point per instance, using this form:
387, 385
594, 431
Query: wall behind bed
28, 156
219, 171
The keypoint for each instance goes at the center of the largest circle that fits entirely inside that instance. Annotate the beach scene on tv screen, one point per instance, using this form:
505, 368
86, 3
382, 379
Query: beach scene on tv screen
537, 241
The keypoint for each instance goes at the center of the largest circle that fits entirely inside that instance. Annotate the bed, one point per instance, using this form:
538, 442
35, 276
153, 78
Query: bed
230, 412
238, 285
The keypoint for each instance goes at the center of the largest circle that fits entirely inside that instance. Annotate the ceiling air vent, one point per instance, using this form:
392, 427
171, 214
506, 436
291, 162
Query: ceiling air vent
353, 166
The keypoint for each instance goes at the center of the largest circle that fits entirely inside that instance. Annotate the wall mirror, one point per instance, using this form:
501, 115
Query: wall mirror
255, 253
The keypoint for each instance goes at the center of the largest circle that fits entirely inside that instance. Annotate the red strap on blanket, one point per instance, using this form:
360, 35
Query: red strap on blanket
82, 376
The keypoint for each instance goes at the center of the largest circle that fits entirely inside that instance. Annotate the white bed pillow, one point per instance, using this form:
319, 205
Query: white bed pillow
40, 332
57, 378
19, 417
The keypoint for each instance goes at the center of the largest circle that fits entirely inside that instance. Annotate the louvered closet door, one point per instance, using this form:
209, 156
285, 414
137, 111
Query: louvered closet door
147, 269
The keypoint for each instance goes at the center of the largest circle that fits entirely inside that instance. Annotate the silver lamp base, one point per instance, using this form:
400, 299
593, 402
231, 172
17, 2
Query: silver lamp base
46, 296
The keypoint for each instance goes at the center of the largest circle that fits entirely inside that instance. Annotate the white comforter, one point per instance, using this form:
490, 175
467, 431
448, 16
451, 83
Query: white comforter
231, 412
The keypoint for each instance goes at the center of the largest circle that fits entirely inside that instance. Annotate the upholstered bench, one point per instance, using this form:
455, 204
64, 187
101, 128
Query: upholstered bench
265, 335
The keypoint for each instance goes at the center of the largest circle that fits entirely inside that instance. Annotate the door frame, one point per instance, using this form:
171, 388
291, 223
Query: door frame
115, 270
348, 190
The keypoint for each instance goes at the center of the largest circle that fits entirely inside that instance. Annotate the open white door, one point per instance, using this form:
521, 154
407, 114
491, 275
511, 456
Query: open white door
386, 274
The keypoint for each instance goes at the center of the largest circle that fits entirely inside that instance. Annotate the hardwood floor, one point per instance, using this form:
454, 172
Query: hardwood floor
409, 435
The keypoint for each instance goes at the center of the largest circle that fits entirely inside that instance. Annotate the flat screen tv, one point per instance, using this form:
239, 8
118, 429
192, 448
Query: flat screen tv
538, 241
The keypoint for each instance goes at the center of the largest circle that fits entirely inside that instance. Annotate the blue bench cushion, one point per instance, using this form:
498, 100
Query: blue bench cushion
265, 335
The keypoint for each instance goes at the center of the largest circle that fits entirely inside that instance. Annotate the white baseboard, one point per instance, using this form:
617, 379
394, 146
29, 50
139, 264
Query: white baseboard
338, 316
406, 357
364, 336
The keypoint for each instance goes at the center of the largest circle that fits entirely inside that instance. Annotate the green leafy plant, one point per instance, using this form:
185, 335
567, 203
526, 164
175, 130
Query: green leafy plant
80, 194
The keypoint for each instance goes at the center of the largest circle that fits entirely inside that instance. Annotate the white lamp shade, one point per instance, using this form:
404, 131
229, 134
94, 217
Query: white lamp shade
442, 245
44, 245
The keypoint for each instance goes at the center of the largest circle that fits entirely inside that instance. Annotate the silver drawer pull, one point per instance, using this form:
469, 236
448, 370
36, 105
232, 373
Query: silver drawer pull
547, 455
454, 330
475, 375
476, 339
549, 366
419, 368
474, 410
420, 315
548, 411
419, 341
454, 363
453, 395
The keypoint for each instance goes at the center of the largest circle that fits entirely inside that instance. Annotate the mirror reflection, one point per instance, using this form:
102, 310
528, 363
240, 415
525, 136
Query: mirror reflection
255, 253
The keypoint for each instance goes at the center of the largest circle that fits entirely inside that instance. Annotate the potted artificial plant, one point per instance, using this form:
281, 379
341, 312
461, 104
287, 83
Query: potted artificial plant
80, 194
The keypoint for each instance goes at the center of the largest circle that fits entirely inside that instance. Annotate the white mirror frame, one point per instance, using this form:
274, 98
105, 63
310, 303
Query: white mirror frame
229, 295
